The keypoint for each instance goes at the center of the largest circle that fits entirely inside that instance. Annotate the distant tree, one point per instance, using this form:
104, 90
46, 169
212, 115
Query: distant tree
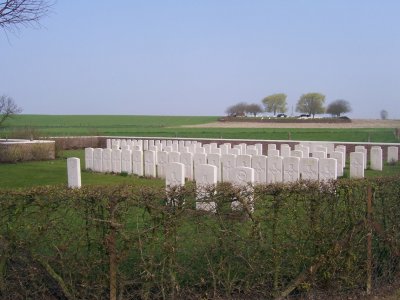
311, 103
275, 103
384, 114
237, 110
8, 108
15, 13
338, 107
254, 109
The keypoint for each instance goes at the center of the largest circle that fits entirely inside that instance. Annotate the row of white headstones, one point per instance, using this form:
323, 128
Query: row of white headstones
239, 164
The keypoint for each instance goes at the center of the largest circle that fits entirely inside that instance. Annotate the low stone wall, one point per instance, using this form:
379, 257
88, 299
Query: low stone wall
78, 142
25, 150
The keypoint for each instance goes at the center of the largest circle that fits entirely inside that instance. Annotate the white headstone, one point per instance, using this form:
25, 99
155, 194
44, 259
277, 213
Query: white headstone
259, 147
342, 148
215, 160
392, 154
251, 150
234, 151
74, 172
89, 158
273, 152
228, 162
339, 158
357, 164
319, 154
174, 157
309, 168
206, 175
98, 160
137, 162
243, 177
116, 160
199, 159
243, 160
327, 169
162, 161
149, 163
291, 169
363, 150
187, 160
175, 174
296, 153
285, 150
107, 167
126, 161
259, 164
271, 147
376, 158
108, 144
274, 169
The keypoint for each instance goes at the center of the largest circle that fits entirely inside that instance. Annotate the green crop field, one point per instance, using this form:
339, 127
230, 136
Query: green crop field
25, 126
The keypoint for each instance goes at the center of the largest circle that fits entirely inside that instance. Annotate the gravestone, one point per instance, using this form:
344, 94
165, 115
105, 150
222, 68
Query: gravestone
376, 158
363, 150
251, 150
98, 160
357, 164
199, 159
309, 168
228, 162
137, 162
224, 148
174, 157
207, 148
149, 163
175, 174
168, 149
200, 150
319, 154
244, 178
259, 164
234, 151
342, 148
271, 147
206, 176
285, 150
238, 149
305, 150
187, 160
259, 147
296, 153
243, 160
89, 158
274, 169
126, 161
108, 144
116, 160
174, 178
215, 160
392, 154
291, 169
145, 145
175, 146
327, 169
74, 172
273, 152
107, 160
339, 158
162, 161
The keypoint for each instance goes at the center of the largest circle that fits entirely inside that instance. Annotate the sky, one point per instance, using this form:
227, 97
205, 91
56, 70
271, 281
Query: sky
179, 57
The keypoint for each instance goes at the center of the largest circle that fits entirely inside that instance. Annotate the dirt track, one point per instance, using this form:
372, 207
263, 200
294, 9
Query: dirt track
357, 123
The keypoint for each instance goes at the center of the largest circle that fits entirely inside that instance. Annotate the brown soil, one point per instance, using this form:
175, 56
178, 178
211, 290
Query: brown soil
356, 123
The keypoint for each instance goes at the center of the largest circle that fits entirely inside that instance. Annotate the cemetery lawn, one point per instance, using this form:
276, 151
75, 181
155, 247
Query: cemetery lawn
54, 172
24, 126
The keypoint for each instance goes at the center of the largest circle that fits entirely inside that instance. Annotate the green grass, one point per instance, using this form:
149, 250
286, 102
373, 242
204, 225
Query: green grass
171, 126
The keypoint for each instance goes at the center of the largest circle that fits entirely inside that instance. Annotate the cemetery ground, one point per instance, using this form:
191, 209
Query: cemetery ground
54, 172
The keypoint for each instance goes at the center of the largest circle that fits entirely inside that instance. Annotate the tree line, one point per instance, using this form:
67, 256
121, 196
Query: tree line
310, 104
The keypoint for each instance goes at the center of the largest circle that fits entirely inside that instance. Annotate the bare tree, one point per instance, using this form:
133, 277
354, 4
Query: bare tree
14, 13
8, 108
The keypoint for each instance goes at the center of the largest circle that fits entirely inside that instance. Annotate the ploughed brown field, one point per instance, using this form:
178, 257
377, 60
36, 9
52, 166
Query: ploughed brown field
356, 123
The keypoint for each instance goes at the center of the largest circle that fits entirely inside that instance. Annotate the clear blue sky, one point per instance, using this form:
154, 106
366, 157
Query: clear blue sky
199, 57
